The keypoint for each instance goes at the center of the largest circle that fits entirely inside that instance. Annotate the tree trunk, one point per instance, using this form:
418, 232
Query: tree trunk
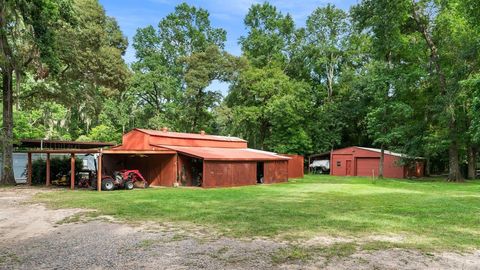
427, 166
472, 162
330, 75
382, 156
454, 174
7, 136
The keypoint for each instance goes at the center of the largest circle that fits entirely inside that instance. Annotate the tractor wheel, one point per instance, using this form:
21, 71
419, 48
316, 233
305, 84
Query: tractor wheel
107, 184
129, 185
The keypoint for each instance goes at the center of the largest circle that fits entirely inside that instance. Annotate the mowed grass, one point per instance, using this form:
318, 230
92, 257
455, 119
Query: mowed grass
426, 214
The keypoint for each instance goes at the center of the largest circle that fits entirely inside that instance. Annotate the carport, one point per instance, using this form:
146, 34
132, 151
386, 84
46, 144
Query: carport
157, 166
72, 153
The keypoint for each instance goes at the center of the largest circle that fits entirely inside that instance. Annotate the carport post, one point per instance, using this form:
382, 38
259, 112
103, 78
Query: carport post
308, 165
47, 182
29, 169
72, 171
99, 172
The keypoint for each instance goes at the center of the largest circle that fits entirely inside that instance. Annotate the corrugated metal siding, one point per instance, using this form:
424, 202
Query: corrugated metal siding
227, 173
275, 171
20, 165
158, 170
367, 166
362, 162
338, 164
134, 141
168, 171
295, 166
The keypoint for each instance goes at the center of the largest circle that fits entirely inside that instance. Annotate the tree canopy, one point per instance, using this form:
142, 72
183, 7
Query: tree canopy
399, 75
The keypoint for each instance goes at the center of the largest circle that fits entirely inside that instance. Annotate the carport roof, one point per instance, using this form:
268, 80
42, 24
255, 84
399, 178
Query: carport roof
231, 154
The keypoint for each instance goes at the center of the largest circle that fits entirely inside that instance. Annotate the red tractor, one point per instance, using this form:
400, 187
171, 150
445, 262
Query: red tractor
127, 179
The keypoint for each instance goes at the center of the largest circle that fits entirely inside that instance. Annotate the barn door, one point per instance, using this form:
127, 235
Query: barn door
348, 166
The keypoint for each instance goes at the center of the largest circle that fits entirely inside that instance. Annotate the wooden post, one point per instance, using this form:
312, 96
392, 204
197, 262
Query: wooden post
177, 175
72, 171
308, 165
99, 172
29, 169
47, 182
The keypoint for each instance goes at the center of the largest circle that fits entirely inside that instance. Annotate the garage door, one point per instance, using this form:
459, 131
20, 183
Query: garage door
366, 165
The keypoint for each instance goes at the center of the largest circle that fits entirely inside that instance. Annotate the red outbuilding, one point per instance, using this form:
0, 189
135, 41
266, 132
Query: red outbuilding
295, 166
363, 161
171, 158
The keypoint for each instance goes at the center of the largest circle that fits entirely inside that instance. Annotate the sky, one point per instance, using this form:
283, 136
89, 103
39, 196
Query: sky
226, 14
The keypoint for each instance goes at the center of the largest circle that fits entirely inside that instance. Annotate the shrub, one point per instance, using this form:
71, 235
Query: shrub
58, 166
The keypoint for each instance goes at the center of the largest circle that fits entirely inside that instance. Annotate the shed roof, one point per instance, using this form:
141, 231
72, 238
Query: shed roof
376, 150
59, 144
385, 151
170, 134
214, 153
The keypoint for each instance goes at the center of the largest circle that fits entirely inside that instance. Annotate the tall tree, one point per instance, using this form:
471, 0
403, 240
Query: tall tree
27, 40
327, 36
440, 28
160, 78
270, 36
201, 69
268, 109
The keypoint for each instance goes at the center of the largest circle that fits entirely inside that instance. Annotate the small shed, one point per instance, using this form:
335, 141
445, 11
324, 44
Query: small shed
295, 166
364, 161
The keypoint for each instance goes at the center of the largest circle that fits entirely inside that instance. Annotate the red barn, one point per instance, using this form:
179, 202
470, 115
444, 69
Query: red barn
171, 158
363, 161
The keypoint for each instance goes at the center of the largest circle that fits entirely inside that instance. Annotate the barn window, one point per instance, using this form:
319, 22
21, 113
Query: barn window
339, 163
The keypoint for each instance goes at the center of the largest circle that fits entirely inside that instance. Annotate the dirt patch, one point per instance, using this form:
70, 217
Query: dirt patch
19, 220
406, 259
34, 237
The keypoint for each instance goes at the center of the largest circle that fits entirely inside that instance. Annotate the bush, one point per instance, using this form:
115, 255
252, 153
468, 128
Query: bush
58, 166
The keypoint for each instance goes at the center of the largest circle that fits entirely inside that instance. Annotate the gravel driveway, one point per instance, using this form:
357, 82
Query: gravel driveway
34, 237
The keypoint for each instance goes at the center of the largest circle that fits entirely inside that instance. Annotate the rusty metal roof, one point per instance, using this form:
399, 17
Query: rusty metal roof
58, 144
214, 153
181, 135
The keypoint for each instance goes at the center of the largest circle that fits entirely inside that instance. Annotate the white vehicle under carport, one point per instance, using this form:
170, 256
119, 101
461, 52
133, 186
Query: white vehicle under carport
320, 166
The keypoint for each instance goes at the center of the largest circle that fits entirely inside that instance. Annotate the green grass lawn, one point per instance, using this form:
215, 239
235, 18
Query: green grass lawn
428, 214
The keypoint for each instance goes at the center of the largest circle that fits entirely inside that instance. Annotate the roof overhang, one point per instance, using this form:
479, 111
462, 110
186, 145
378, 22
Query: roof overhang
138, 152
65, 151
59, 144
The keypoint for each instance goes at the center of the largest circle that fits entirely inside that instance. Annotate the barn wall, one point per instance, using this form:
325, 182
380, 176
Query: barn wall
157, 140
338, 164
275, 171
392, 167
362, 162
295, 166
134, 140
228, 173
367, 166
158, 170
168, 172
